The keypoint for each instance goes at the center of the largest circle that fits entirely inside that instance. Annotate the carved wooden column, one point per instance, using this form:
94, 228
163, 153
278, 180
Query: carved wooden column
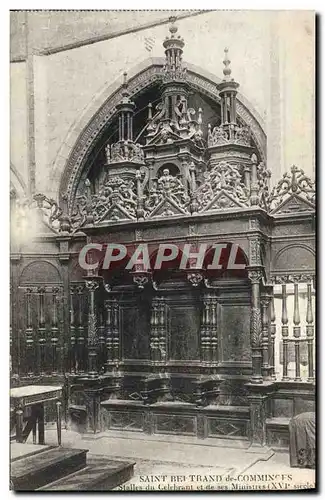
92, 285
41, 332
162, 329
272, 337
213, 326
204, 334
209, 339
115, 331
265, 301
101, 340
285, 332
255, 276
296, 331
154, 333
81, 330
109, 336
65, 339
158, 345
310, 334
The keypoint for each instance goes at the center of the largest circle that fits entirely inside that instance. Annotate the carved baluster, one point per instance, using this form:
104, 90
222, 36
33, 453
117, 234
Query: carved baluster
203, 331
154, 344
272, 337
109, 339
214, 337
310, 334
72, 333
54, 331
116, 335
81, 332
255, 277
101, 339
296, 330
285, 332
92, 285
162, 330
30, 347
265, 337
208, 328
41, 331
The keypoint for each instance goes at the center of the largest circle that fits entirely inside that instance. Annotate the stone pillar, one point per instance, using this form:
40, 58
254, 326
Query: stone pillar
255, 276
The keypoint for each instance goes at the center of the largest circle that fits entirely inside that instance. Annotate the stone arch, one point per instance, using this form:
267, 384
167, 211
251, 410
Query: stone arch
75, 150
302, 259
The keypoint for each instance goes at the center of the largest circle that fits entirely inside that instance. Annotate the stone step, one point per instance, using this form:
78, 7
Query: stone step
100, 474
32, 472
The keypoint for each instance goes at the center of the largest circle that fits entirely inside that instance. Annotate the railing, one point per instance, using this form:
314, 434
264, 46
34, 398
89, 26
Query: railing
293, 324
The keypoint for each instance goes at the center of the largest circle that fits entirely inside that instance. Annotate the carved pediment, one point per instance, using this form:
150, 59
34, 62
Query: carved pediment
223, 200
295, 192
167, 207
116, 213
164, 136
293, 204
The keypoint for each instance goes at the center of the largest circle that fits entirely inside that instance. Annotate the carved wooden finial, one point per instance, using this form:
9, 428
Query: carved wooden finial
226, 62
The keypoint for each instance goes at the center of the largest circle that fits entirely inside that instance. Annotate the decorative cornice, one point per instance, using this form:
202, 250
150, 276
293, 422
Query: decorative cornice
283, 279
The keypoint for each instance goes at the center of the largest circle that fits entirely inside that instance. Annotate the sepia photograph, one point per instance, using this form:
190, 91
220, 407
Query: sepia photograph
162, 250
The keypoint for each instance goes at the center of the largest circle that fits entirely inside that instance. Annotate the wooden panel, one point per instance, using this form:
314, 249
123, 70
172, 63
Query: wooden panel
40, 348
218, 427
127, 420
135, 330
175, 424
234, 332
184, 332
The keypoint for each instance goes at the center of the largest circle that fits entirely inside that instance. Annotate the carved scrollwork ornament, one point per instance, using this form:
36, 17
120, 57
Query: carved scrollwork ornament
195, 278
141, 279
91, 285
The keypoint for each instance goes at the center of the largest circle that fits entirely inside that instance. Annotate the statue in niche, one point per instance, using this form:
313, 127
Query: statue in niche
165, 181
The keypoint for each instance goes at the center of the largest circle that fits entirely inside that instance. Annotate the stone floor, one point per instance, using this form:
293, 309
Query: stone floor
181, 462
